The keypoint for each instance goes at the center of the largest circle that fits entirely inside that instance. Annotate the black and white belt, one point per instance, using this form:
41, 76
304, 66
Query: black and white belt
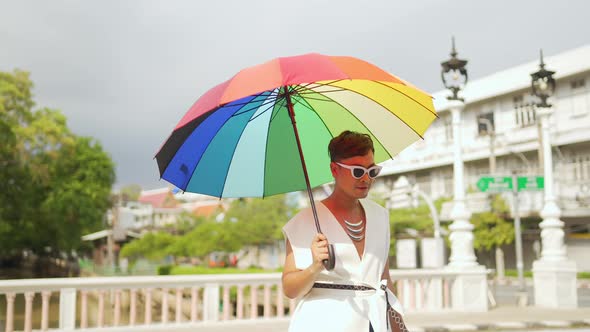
342, 286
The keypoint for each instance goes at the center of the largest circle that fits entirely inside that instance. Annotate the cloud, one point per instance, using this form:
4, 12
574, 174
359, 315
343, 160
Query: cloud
126, 72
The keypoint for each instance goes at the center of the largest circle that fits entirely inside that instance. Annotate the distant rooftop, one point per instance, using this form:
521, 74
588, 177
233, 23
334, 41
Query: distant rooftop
158, 198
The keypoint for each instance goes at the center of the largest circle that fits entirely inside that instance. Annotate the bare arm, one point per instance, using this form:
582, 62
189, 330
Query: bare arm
387, 276
298, 282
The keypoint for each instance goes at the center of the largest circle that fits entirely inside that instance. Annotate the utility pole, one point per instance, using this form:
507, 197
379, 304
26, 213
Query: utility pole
491, 131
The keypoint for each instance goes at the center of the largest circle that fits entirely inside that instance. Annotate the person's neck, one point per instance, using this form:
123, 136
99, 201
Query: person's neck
343, 202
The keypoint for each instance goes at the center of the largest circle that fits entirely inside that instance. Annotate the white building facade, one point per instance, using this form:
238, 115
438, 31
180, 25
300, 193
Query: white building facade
500, 119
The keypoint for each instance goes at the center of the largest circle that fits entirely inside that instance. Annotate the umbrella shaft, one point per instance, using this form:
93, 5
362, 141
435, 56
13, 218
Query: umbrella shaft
309, 192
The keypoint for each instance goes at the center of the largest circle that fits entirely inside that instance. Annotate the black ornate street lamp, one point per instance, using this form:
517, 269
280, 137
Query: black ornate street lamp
454, 77
543, 84
454, 74
554, 274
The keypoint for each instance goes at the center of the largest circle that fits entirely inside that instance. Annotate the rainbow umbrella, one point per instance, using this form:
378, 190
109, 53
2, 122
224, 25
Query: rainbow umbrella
266, 130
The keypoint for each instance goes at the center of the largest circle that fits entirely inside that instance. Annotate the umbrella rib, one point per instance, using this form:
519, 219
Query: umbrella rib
305, 86
309, 107
272, 104
306, 105
376, 102
268, 101
277, 100
282, 104
378, 82
242, 103
359, 121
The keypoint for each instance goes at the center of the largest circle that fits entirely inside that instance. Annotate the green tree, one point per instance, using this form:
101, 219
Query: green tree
259, 220
153, 246
54, 185
491, 229
207, 237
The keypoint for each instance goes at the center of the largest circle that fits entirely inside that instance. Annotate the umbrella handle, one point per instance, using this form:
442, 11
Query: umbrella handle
331, 261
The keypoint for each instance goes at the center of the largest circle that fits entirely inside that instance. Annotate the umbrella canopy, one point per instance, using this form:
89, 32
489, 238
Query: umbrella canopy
239, 138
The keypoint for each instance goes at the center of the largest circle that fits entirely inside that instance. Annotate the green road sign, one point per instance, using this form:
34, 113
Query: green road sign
495, 183
531, 183
504, 183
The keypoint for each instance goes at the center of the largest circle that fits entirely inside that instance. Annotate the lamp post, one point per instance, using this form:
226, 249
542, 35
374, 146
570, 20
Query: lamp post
454, 77
554, 276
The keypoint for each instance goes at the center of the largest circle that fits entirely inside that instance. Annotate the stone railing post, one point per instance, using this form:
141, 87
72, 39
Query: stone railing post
67, 309
211, 302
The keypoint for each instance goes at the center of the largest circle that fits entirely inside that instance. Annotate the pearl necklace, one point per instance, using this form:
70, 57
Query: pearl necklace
355, 231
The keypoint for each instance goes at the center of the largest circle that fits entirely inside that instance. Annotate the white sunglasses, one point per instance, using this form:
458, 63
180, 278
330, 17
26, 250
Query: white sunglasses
359, 171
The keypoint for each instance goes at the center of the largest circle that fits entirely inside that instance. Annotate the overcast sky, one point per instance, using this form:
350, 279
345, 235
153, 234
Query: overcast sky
125, 72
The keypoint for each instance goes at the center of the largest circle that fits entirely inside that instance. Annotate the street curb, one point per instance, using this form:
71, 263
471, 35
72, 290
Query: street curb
511, 281
501, 326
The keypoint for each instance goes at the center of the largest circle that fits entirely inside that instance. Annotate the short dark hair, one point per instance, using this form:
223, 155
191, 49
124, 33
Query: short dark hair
350, 144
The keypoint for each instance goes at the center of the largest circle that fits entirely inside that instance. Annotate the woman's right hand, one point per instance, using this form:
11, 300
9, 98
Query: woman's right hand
319, 252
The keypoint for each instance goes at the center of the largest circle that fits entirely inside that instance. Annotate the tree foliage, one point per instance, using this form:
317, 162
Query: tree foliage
247, 222
153, 246
259, 220
416, 218
491, 229
54, 185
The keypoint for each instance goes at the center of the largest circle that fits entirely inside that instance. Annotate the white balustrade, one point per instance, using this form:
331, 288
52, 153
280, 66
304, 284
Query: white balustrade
196, 299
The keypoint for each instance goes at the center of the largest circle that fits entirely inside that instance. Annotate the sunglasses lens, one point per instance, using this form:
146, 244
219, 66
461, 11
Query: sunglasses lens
373, 172
358, 172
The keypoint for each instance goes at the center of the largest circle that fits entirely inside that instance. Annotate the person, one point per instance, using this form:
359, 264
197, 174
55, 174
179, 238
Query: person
357, 294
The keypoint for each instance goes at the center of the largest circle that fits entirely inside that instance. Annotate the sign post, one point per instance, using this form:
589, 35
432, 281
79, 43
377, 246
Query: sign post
517, 235
514, 184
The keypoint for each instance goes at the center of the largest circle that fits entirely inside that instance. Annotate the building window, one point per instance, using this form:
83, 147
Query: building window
525, 113
581, 168
485, 123
578, 84
579, 97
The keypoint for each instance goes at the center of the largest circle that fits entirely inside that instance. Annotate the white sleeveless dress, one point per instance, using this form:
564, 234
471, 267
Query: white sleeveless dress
324, 310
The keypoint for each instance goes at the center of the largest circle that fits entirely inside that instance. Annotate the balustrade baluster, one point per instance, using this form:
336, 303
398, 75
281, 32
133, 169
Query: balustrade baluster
194, 303
100, 319
45, 296
164, 305
413, 296
267, 308
420, 291
29, 311
253, 301
148, 306
178, 305
117, 313
10, 312
400, 291
446, 293
132, 305
280, 302
226, 303
83, 309
240, 303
